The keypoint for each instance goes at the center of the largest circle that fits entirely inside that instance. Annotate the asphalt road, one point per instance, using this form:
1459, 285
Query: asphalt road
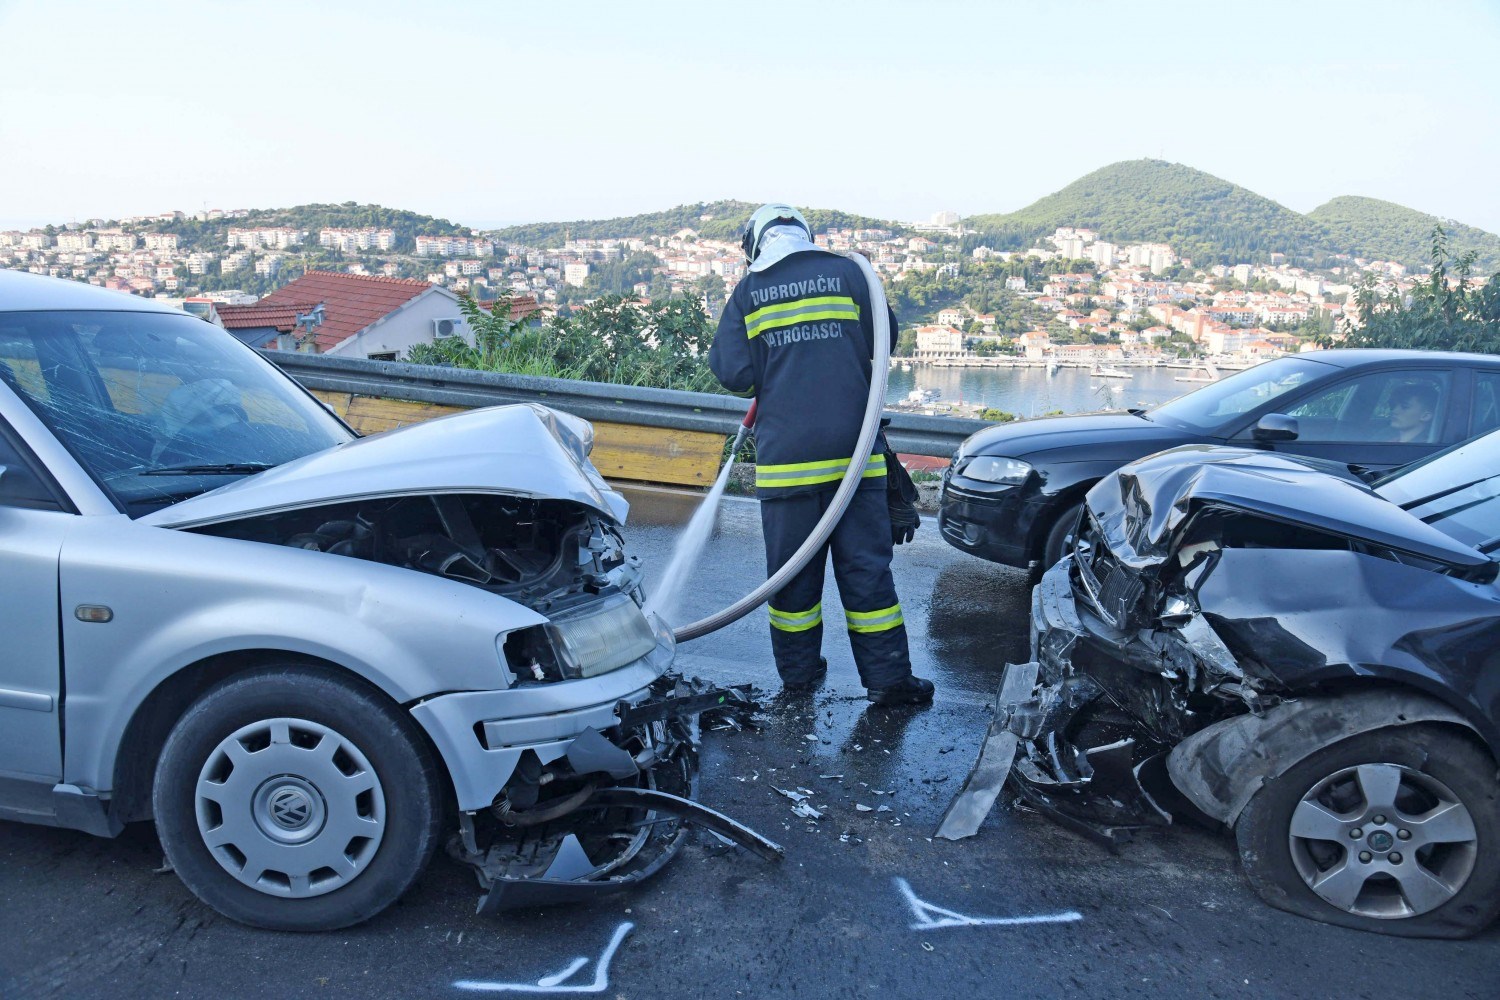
1168, 917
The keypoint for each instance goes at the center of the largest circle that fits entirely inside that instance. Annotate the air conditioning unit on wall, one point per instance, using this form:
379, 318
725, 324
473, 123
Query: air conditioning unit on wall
447, 327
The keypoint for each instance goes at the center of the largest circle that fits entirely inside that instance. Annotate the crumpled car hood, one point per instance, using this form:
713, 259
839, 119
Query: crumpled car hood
524, 450
1140, 507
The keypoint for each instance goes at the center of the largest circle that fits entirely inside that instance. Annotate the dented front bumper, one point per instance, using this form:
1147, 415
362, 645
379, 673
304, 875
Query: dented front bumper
609, 810
1091, 734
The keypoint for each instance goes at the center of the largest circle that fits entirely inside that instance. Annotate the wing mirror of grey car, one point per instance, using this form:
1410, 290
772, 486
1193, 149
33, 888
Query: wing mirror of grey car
1276, 427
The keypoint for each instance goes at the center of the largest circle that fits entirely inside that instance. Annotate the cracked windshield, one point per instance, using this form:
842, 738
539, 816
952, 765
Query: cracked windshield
156, 408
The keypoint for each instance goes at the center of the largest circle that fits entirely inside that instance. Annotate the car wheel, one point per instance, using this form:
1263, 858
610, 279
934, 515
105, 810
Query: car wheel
1395, 831
293, 799
1056, 544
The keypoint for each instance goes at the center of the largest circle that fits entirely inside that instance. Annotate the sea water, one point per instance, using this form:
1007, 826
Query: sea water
663, 599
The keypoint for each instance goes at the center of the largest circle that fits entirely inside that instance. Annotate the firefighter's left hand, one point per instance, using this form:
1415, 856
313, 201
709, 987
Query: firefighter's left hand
904, 522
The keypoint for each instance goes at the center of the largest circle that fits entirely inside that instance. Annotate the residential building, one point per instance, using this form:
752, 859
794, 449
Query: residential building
368, 316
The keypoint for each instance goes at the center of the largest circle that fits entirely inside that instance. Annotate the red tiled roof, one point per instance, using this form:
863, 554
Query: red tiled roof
521, 306
351, 302
282, 317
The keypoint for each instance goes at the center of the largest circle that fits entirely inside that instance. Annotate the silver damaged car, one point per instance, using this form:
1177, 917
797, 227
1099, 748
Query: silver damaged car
310, 657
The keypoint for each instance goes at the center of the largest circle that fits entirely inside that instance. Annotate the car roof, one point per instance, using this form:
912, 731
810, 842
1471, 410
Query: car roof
21, 291
1355, 357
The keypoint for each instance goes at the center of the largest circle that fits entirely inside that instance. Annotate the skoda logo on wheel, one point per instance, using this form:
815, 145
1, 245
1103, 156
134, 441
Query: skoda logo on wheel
290, 808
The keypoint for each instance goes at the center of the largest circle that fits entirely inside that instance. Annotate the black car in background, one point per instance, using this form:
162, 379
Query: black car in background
1304, 659
1013, 491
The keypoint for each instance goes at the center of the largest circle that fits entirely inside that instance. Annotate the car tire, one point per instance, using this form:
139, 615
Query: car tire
1332, 838
1054, 548
294, 799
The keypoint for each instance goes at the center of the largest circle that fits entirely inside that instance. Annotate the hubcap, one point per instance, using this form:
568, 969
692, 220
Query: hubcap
290, 807
1343, 834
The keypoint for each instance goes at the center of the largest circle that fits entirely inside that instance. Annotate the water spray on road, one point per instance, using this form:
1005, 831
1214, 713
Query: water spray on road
665, 595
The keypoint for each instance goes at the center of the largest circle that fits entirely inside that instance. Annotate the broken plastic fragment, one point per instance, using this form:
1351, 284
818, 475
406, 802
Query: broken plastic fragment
806, 811
794, 796
863, 808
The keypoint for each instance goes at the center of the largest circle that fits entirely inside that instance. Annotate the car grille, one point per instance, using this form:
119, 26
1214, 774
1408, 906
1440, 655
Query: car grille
1112, 590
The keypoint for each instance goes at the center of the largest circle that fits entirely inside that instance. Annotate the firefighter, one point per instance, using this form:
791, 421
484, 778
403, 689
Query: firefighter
797, 334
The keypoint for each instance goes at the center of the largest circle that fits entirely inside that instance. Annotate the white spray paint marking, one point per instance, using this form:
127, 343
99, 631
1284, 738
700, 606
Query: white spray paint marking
667, 591
556, 983
927, 917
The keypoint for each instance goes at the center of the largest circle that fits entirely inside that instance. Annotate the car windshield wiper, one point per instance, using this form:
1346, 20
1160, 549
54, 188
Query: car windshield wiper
223, 469
1136, 411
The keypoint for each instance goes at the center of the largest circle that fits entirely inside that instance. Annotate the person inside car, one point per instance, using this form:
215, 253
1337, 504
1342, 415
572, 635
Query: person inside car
1412, 410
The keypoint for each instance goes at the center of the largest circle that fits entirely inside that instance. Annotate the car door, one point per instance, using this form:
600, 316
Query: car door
1374, 421
33, 523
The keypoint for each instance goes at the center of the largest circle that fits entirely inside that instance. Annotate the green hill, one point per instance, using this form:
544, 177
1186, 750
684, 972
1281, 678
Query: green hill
718, 220
1383, 230
212, 234
1202, 216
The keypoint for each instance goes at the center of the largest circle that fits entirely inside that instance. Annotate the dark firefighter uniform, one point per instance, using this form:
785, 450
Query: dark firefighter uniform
799, 337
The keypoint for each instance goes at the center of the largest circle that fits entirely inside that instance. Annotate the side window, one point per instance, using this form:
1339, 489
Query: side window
19, 484
1398, 407
1486, 403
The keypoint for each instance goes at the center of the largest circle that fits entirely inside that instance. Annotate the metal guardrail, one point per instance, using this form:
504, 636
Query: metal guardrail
909, 433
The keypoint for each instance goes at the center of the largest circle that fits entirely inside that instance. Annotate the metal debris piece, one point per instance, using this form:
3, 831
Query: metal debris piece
863, 808
806, 811
793, 795
996, 755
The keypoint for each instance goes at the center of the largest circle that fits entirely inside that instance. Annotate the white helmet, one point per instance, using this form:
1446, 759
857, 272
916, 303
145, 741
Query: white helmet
765, 217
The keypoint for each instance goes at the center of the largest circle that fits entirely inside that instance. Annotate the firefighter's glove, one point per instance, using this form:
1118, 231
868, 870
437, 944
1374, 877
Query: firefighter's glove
900, 500
904, 522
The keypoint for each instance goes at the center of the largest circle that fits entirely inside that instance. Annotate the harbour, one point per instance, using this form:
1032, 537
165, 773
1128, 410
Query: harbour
1031, 389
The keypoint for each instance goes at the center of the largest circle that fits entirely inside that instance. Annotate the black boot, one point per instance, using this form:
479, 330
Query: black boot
812, 683
908, 690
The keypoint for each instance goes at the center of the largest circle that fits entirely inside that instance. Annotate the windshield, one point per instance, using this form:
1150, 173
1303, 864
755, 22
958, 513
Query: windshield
158, 407
1209, 408
1456, 491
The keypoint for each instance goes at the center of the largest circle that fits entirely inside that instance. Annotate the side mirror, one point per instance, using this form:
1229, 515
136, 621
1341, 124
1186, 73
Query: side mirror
1275, 427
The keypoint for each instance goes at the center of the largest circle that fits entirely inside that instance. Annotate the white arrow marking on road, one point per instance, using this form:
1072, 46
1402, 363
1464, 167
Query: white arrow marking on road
555, 983
927, 917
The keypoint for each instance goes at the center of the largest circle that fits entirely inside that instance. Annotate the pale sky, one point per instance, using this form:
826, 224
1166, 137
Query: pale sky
490, 112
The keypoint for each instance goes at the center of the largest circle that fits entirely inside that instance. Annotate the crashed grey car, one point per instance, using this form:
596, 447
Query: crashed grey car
310, 657
1267, 644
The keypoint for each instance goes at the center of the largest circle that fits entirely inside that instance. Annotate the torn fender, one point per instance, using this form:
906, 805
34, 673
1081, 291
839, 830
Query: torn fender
1221, 767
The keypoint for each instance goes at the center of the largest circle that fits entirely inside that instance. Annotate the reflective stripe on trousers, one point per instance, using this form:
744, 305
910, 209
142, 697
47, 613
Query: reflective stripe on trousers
796, 621
810, 473
875, 621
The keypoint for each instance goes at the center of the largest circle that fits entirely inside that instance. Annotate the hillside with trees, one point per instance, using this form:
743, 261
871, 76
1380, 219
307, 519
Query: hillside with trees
1383, 230
213, 234
717, 220
1203, 217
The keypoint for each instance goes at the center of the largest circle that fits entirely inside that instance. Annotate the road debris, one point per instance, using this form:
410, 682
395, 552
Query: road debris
806, 811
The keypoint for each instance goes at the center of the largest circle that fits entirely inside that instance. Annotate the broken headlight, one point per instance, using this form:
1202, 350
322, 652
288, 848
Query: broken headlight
995, 469
591, 640
1177, 610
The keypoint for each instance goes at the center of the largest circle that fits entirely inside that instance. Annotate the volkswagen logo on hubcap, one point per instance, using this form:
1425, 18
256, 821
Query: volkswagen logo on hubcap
290, 808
